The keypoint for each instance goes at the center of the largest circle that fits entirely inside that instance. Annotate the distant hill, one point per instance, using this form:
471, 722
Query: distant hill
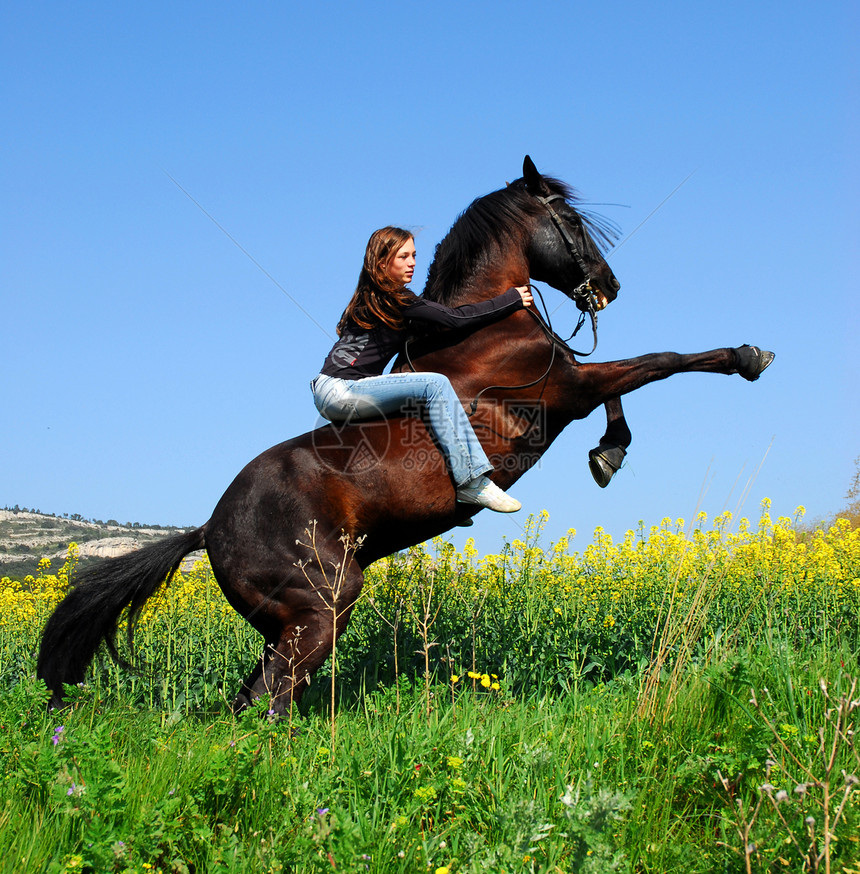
26, 537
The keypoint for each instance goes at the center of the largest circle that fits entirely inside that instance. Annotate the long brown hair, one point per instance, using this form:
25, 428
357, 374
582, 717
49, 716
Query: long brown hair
378, 298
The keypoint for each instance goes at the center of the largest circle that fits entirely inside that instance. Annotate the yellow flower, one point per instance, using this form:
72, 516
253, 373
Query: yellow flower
425, 793
444, 869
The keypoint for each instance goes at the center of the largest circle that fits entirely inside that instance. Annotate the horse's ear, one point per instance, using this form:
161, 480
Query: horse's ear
533, 179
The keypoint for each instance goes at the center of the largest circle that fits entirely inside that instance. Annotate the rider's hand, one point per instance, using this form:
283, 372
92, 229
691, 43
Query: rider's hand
526, 294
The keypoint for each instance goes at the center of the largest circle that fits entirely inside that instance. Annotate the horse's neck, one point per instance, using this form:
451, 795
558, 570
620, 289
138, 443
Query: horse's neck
491, 280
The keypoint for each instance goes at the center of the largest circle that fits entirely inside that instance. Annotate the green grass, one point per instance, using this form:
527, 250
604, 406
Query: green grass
671, 703
566, 782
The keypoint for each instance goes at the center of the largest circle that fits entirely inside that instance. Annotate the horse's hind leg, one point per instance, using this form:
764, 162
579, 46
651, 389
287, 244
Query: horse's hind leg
605, 459
318, 610
245, 695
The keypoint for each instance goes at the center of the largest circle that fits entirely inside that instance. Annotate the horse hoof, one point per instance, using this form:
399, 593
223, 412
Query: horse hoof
754, 362
604, 461
240, 704
466, 523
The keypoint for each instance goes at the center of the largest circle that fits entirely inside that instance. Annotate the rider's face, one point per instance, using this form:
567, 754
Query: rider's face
402, 264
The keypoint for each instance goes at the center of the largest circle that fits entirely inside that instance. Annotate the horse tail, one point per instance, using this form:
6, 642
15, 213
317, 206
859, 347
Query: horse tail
90, 612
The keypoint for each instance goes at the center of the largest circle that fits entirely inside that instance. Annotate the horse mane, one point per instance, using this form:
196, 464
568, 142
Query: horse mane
493, 222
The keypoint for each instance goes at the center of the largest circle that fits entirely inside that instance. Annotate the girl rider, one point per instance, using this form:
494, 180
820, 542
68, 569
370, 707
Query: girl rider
372, 330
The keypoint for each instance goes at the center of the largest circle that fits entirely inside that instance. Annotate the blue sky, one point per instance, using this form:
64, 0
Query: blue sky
147, 358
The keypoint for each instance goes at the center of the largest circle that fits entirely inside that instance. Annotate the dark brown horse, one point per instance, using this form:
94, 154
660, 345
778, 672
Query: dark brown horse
384, 481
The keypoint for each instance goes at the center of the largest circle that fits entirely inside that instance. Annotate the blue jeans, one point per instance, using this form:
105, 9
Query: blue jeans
351, 400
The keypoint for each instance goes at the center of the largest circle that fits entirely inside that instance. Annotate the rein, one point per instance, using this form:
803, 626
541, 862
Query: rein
554, 341
583, 295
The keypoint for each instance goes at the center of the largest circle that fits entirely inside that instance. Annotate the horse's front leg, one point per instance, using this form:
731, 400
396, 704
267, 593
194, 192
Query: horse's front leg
605, 459
605, 383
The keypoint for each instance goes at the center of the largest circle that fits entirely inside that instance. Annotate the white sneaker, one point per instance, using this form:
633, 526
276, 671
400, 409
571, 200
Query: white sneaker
486, 493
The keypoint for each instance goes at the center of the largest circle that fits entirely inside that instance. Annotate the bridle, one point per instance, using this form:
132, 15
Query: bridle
584, 296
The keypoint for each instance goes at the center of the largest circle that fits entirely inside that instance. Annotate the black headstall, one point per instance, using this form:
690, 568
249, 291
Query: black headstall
584, 295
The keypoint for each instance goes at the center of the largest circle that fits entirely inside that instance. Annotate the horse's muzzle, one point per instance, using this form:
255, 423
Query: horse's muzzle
602, 298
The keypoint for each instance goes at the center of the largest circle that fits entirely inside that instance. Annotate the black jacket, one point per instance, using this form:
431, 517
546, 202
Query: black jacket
359, 353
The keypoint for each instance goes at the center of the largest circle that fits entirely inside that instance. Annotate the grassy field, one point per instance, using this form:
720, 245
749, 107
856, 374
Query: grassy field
682, 701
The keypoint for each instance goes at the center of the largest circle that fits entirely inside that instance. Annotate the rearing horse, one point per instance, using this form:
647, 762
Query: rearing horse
383, 480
